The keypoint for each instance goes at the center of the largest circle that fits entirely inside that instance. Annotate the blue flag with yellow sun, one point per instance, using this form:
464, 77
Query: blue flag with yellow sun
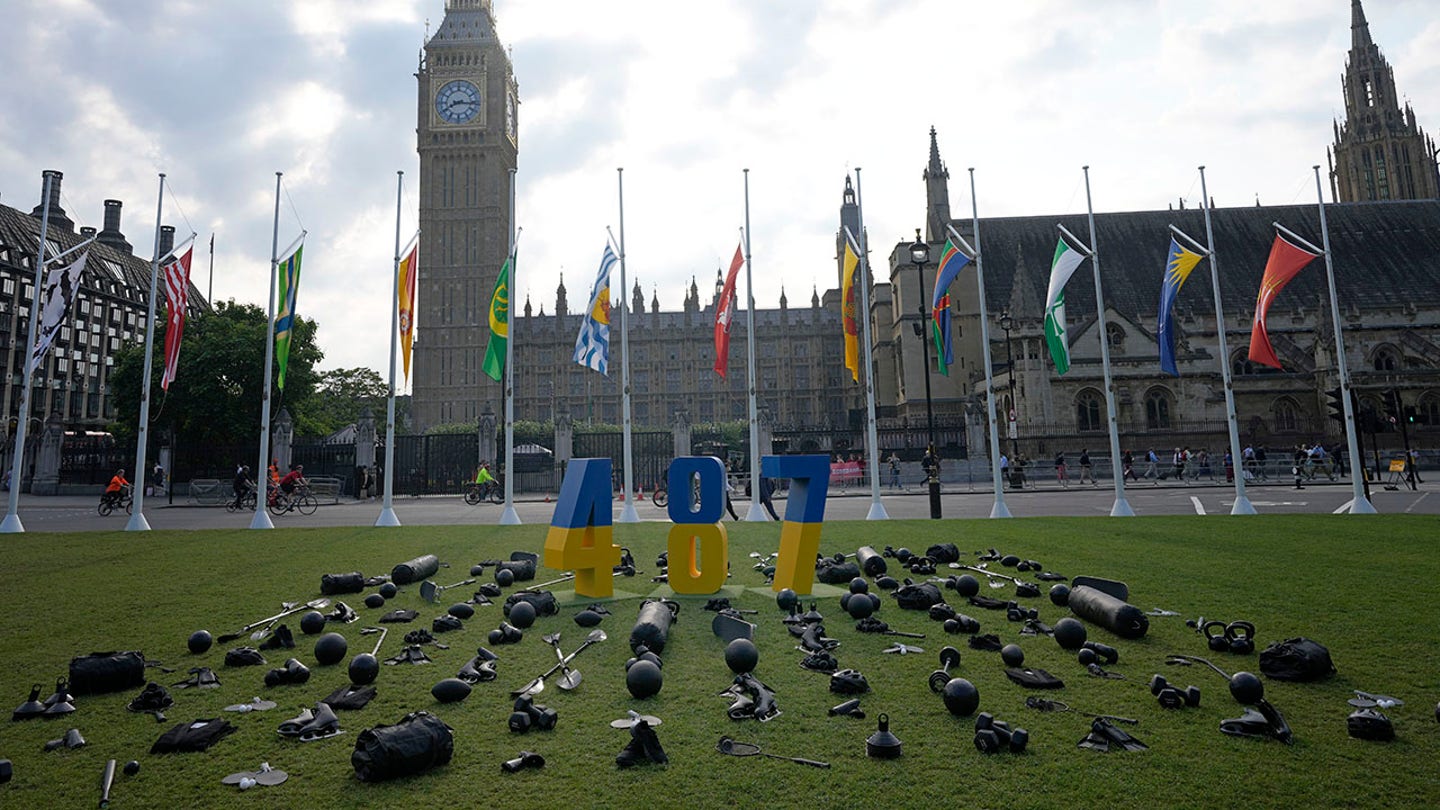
1177, 269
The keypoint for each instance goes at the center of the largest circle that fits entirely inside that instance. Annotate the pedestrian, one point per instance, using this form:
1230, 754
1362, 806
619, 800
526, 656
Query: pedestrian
1260, 459
1127, 462
729, 488
1229, 468
1413, 466
362, 482
1152, 466
931, 465
767, 490
1086, 471
1060, 476
1177, 462
157, 480
1298, 463
1004, 469
894, 470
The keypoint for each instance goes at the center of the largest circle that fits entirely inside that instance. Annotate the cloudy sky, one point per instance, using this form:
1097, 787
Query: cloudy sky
221, 94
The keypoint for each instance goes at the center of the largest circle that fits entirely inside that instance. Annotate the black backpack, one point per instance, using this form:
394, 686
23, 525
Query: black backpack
1296, 659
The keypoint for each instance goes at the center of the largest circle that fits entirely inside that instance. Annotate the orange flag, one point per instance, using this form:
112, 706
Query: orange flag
1285, 262
409, 269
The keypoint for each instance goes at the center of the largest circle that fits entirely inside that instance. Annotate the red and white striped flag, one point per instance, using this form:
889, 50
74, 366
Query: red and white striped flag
176, 273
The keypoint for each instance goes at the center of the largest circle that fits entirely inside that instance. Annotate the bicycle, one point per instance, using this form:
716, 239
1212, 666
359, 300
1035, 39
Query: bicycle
300, 499
247, 501
490, 490
124, 498
661, 497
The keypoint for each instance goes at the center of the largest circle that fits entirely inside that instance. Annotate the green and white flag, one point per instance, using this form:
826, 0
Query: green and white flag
1061, 269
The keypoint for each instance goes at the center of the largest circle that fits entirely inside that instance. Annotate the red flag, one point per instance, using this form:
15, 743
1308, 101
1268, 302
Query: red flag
177, 293
1285, 262
725, 314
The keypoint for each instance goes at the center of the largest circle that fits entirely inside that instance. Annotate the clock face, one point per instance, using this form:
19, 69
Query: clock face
458, 102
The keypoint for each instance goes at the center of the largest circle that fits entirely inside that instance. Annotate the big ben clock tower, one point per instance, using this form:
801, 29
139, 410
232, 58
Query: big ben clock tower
466, 135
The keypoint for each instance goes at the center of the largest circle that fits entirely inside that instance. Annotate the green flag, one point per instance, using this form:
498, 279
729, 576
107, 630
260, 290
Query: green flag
289, 272
494, 365
1063, 266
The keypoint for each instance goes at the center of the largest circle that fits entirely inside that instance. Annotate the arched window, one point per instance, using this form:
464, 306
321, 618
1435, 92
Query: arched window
1287, 415
1159, 404
1240, 365
1087, 410
1386, 359
1116, 335
1428, 408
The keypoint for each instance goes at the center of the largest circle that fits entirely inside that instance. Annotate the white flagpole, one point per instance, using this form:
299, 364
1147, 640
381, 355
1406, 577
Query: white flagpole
387, 507
1121, 507
509, 517
627, 512
12, 524
1242, 501
756, 513
1359, 504
137, 522
872, 438
261, 520
999, 509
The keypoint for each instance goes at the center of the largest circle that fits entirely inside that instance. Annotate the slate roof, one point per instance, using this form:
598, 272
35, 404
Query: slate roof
1385, 254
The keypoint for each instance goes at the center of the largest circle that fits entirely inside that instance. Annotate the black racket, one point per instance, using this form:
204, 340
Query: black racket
741, 749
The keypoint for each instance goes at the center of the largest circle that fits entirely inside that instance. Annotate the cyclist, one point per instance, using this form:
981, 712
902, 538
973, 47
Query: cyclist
241, 484
294, 478
115, 489
484, 480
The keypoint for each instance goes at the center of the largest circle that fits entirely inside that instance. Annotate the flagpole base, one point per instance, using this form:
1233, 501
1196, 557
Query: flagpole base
877, 511
1121, 509
138, 523
628, 513
387, 518
1243, 506
1000, 510
261, 519
12, 524
1362, 506
509, 517
756, 514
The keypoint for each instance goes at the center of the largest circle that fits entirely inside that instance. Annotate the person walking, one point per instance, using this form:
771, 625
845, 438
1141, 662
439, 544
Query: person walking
1127, 462
1086, 470
1004, 469
1152, 466
1298, 464
767, 490
730, 488
1060, 476
894, 470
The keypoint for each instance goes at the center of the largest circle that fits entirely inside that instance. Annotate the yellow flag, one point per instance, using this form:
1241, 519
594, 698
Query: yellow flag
847, 307
409, 267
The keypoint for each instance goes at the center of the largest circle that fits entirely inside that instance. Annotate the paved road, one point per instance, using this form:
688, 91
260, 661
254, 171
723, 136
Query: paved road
72, 514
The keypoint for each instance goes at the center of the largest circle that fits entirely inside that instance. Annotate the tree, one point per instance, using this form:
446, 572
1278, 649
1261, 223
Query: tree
344, 392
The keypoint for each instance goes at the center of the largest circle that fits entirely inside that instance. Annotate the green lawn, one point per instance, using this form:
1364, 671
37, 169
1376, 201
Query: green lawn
1364, 587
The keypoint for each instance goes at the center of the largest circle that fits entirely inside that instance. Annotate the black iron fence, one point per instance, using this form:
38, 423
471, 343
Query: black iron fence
87, 460
651, 452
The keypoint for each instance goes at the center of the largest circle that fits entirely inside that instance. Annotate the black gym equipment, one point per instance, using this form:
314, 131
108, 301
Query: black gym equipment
652, 625
1108, 611
741, 656
450, 690
644, 746
993, 736
330, 648
537, 685
960, 696
1012, 655
850, 708
949, 657
1069, 633
524, 760
1046, 705
311, 623
259, 628
1060, 595
883, 744
735, 748
199, 641
365, 667
416, 570
522, 615
644, 679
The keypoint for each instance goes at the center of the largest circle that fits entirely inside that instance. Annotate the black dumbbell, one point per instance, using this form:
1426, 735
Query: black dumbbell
1172, 697
949, 657
1103, 652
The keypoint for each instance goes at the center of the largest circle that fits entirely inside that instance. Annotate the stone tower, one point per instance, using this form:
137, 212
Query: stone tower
1380, 152
937, 194
467, 136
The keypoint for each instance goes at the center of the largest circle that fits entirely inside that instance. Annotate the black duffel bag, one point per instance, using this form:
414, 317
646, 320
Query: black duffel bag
832, 573
101, 672
416, 744
332, 584
523, 569
1296, 659
543, 602
918, 596
943, 553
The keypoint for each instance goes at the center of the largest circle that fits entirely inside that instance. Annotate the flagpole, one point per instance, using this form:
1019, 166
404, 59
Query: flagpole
1121, 507
757, 512
1359, 504
210, 285
12, 524
137, 522
627, 512
261, 520
872, 439
387, 507
1242, 501
509, 517
1000, 509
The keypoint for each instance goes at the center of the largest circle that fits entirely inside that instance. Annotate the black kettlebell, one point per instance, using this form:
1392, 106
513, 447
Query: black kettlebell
1240, 637
1214, 631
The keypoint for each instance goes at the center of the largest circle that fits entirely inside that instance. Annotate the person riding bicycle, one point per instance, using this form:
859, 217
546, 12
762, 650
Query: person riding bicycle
484, 479
115, 488
241, 484
294, 478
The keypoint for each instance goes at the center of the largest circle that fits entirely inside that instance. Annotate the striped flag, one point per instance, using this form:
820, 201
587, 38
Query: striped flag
62, 287
494, 362
725, 314
289, 270
952, 261
409, 272
1061, 269
592, 346
177, 295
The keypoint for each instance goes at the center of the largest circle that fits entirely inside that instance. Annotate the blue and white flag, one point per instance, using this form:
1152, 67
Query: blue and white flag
592, 347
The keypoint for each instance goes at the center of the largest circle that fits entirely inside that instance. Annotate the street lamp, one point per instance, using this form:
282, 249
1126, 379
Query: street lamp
919, 255
1006, 323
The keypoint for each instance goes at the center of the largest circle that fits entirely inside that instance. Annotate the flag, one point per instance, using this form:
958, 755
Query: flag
289, 270
176, 272
725, 314
592, 346
62, 285
409, 273
494, 364
952, 261
1285, 261
1177, 269
1061, 269
847, 306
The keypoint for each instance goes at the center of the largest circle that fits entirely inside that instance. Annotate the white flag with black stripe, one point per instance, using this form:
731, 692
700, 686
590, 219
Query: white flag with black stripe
62, 286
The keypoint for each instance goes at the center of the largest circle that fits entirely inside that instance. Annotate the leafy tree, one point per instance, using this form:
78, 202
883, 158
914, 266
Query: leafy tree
343, 393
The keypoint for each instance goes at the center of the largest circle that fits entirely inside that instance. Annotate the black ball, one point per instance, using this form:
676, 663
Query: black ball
312, 623
1060, 595
741, 655
374, 600
522, 614
961, 697
874, 600
477, 569
132, 767
1246, 688
200, 641
952, 626
885, 583
330, 648
860, 606
461, 610
859, 585
388, 590
644, 679
1087, 656
496, 636
450, 690
504, 577
1070, 633
966, 585
786, 598
845, 601
364, 669
1010, 560
588, 618
1012, 655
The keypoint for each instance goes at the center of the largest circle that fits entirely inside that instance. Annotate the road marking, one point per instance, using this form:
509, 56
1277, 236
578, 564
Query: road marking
1199, 510
1344, 507
1416, 503
1273, 503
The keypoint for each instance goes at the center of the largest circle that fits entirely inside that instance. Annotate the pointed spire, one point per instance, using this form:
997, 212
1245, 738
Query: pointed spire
1359, 28
527, 304
936, 167
1024, 298
814, 297
784, 302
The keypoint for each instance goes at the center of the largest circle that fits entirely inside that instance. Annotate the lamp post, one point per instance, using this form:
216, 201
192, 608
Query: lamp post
919, 255
1006, 323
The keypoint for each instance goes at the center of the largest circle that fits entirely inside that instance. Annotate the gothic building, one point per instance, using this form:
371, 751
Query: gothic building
1380, 152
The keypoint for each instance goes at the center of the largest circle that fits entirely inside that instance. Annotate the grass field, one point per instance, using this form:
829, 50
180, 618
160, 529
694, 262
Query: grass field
1364, 587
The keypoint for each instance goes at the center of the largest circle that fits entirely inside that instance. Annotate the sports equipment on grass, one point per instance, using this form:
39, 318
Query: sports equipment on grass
644, 680
537, 685
416, 570
569, 678
1046, 705
365, 667
330, 648
450, 690
270, 620
949, 657
1108, 611
107, 780
430, 592
526, 759
883, 744
199, 641
735, 748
